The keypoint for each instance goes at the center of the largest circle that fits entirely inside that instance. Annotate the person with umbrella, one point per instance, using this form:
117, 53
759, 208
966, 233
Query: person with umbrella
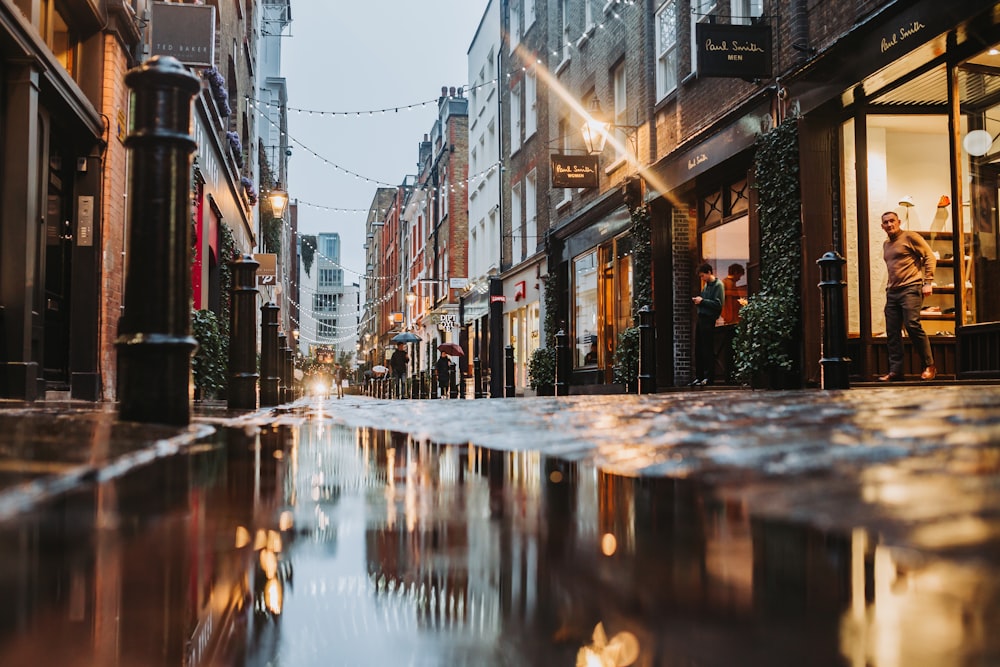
398, 362
443, 368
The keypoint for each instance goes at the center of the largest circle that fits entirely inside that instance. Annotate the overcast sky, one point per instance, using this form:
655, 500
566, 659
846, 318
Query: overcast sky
365, 56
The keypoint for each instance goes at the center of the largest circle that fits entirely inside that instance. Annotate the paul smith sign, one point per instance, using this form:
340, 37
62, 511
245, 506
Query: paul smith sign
574, 171
737, 51
909, 29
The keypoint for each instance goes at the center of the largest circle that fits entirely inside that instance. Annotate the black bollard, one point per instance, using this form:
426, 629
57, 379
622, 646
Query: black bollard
290, 374
154, 333
834, 363
282, 380
647, 351
508, 371
562, 364
477, 367
269, 354
243, 335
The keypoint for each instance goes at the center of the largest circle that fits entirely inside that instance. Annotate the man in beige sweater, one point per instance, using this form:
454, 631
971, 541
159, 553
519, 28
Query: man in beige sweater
910, 265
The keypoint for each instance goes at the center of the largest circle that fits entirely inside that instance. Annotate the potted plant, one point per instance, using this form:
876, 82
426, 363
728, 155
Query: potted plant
625, 364
249, 189
219, 92
542, 371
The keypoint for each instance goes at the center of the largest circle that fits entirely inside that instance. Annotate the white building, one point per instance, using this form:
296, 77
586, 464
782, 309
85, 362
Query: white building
484, 150
329, 310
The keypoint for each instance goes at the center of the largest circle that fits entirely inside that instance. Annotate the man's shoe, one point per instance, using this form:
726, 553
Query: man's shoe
929, 373
892, 376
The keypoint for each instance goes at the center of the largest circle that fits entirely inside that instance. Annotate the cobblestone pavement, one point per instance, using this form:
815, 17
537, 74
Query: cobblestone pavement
752, 528
918, 465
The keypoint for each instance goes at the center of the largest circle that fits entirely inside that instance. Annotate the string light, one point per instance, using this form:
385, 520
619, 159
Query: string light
371, 112
462, 184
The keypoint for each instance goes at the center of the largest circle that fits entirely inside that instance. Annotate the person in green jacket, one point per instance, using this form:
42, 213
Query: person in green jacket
709, 303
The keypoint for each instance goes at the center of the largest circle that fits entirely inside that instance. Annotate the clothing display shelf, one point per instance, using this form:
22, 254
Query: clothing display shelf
938, 313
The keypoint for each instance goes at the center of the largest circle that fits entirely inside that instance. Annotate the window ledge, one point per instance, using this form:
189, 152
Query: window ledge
564, 203
619, 161
563, 65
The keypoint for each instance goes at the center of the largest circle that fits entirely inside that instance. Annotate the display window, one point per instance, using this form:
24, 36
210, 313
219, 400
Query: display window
976, 255
908, 168
725, 244
602, 301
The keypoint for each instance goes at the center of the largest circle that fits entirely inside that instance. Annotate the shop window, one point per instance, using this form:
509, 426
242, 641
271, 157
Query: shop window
850, 218
977, 259
602, 290
585, 309
727, 249
58, 36
909, 173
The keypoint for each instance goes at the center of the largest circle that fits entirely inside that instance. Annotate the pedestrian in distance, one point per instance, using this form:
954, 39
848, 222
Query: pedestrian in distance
397, 365
443, 368
910, 265
709, 304
339, 375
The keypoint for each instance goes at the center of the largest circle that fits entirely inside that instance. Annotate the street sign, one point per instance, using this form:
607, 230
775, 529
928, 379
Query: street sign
267, 272
458, 283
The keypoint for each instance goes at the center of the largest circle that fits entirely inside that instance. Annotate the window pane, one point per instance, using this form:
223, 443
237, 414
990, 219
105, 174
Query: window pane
585, 308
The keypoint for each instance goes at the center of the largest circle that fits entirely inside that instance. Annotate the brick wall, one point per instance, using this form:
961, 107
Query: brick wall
113, 216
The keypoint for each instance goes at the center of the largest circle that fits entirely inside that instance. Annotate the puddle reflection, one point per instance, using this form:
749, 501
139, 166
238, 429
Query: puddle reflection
322, 545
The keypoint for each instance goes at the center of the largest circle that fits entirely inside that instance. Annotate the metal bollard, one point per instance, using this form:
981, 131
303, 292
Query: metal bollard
834, 364
562, 364
508, 364
289, 374
647, 351
154, 342
477, 367
282, 344
243, 335
269, 354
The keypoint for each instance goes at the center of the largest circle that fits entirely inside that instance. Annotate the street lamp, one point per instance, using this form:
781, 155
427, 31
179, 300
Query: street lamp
596, 127
279, 200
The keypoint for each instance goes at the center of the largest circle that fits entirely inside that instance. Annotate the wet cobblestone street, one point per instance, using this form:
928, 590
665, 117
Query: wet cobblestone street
702, 528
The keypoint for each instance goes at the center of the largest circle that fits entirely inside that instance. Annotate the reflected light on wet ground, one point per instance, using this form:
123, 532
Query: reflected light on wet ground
319, 544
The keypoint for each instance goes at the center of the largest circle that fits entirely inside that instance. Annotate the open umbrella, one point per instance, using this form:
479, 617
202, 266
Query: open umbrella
379, 369
451, 349
406, 337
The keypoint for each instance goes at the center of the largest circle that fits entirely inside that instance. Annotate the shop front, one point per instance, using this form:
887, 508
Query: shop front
913, 133
597, 256
522, 323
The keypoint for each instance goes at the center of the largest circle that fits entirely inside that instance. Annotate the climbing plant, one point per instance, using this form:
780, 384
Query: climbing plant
767, 331
542, 363
625, 361
307, 251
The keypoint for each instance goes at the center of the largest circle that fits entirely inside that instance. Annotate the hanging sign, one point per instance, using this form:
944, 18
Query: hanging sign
184, 31
736, 51
574, 171
267, 273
